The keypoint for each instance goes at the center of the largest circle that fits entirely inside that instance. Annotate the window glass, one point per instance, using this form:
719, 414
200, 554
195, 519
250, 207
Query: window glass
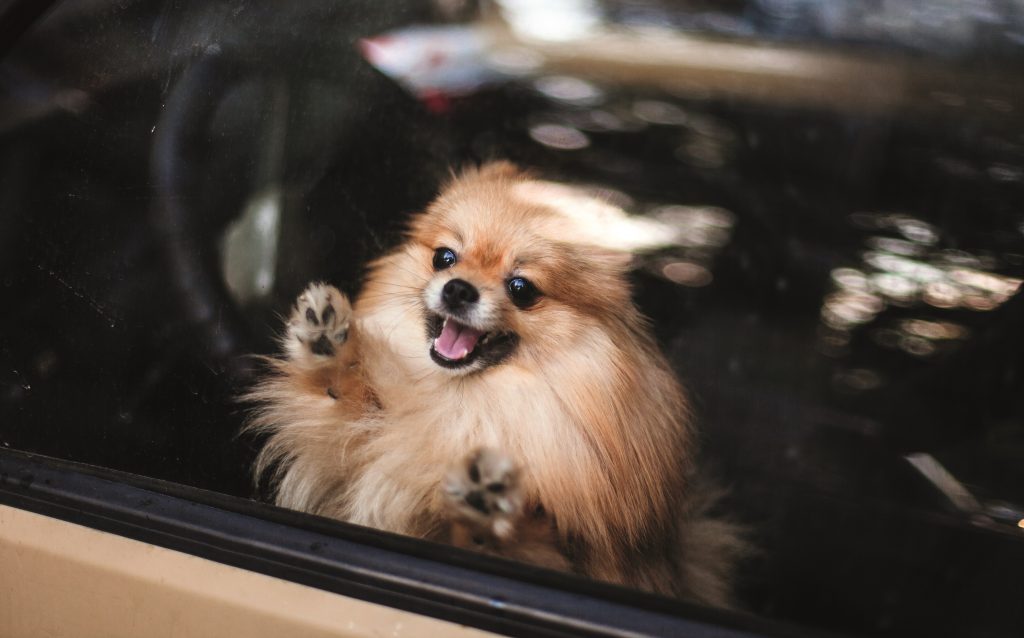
827, 217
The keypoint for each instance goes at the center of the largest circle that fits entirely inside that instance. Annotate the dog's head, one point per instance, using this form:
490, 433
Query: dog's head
515, 269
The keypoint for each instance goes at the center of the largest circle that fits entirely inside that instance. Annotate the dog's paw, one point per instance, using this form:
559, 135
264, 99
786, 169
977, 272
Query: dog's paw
319, 323
483, 493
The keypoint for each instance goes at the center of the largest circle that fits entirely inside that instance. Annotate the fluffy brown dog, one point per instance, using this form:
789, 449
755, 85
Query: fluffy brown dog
495, 387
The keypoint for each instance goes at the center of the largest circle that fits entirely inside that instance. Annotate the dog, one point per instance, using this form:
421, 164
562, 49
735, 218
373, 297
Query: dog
494, 387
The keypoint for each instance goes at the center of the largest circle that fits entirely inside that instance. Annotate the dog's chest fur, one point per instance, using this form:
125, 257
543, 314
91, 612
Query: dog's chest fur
420, 429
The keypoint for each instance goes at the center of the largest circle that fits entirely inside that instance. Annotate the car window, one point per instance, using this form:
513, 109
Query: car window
824, 207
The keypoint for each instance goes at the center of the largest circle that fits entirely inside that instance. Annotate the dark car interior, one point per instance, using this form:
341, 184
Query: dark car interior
844, 302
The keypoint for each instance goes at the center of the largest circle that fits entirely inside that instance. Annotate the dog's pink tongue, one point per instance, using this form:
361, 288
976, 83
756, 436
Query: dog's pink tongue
456, 340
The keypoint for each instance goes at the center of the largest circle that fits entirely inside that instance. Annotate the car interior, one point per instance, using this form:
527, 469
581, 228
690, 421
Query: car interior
842, 297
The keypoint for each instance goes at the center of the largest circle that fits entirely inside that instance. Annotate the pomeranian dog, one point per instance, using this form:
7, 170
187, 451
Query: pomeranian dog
494, 387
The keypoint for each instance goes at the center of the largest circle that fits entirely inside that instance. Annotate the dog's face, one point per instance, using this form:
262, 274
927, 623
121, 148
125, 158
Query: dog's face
467, 309
508, 276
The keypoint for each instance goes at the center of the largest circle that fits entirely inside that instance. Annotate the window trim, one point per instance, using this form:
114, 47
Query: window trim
404, 573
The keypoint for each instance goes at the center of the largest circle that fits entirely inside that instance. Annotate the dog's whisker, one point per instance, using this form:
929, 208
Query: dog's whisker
392, 295
418, 276
401, 286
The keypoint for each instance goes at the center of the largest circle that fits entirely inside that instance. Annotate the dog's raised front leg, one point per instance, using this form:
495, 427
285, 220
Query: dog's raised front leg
318, 326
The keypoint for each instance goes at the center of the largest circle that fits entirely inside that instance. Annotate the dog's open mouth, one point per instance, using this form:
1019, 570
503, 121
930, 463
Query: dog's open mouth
456, 345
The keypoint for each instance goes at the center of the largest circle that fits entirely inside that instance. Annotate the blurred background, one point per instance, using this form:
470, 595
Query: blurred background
840, 286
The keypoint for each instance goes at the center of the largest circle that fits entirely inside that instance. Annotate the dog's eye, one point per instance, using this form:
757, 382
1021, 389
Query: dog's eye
444, 258
522, 292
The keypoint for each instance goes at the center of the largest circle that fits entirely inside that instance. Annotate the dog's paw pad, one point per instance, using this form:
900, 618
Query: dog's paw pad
319, 322
483, 490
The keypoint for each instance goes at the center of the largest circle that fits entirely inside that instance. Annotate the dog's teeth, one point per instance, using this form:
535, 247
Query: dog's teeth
462, 355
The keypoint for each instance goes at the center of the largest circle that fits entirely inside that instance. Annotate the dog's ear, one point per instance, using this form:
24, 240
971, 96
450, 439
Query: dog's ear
497, 170
489, 171
500, 169
594, 221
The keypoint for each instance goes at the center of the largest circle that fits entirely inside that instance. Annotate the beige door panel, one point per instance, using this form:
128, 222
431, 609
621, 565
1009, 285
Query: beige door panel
62, 579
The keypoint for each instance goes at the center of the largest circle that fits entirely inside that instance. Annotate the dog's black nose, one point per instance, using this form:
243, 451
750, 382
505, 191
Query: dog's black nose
458, 294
